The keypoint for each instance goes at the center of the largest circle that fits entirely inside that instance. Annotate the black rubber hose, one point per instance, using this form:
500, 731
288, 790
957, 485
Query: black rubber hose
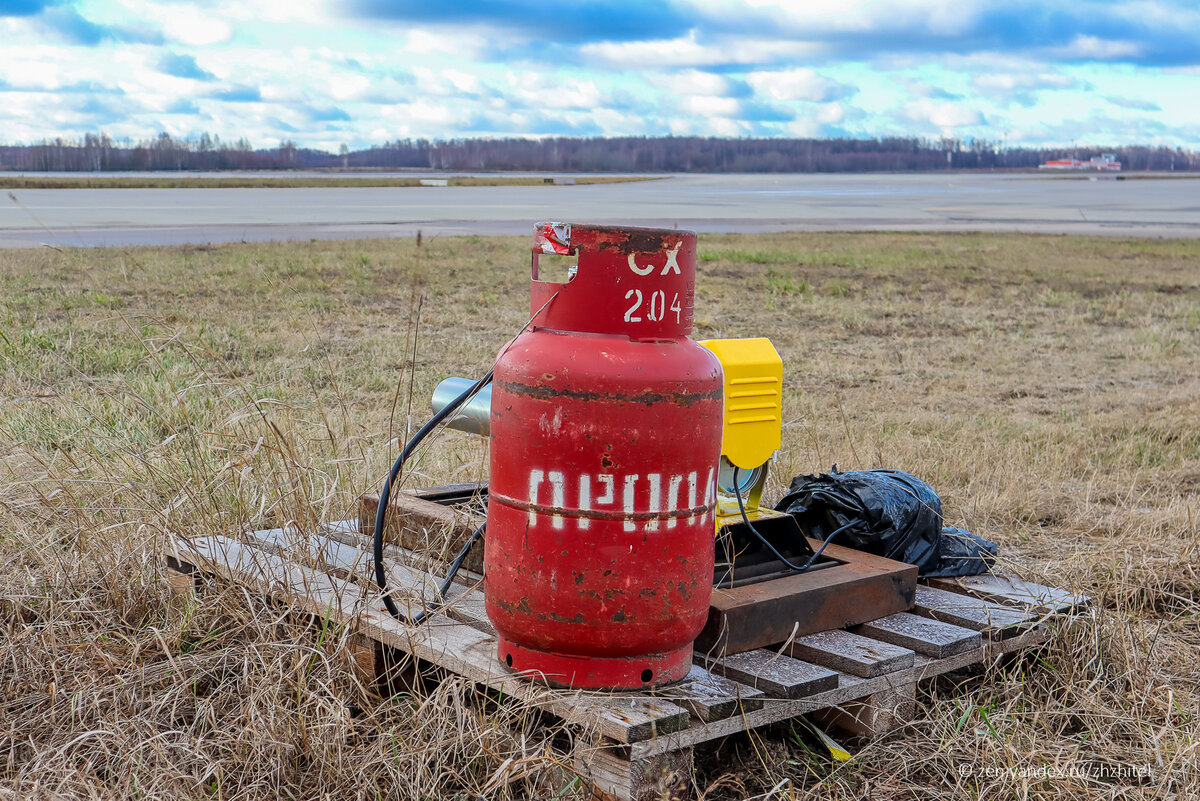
737, 491
386, 492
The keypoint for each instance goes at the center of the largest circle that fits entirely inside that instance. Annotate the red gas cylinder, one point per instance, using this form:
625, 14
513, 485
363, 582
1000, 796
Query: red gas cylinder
605, 441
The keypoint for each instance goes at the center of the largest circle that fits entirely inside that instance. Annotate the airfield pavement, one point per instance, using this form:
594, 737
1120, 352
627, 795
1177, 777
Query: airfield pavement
1038, 203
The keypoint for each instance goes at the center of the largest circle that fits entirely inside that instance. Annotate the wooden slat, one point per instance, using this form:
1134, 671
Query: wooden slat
851, 653
181, 583
710, 697
417, 521
850, 689
777, 675
1014, 592
615, 778
633, 718
267, 572
415, 588
467, 604
921, 634
347, 533
995, 621
872, 716
442, 641
414, 591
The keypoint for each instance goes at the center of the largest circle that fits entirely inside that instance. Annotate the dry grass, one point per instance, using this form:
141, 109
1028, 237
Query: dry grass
281, 181
1046, 386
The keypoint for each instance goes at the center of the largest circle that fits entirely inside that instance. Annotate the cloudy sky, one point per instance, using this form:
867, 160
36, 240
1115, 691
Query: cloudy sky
324, 73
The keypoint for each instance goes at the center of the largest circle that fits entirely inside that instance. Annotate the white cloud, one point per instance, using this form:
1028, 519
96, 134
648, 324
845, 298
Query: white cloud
687, 52
795, 84
306, 11
347, 86
830, 114
691, 82
710, 126
938, 16
1031, 80
460, 44
544, 90
709, 106
192, 26
423, 113
614, 122
944, 115
813, 124
1091, 47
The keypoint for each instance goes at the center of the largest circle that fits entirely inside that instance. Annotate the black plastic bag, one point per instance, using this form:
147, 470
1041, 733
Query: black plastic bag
898, 516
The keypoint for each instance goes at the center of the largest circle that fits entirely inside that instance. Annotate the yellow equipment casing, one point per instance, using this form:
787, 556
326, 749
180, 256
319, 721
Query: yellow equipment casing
753, 399
753, 425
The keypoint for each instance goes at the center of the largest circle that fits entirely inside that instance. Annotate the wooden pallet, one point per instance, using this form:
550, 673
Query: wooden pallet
639, 745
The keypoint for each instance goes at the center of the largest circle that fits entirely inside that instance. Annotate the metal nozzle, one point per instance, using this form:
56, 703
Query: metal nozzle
475, 416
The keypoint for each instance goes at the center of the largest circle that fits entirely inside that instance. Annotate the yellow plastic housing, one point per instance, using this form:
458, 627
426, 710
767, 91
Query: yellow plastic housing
753, 428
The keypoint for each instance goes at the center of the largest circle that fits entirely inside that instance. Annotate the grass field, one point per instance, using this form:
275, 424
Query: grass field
1047, 387
281, 181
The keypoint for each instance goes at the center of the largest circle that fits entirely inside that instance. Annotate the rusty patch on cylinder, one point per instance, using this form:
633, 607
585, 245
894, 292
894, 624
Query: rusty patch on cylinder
543, 392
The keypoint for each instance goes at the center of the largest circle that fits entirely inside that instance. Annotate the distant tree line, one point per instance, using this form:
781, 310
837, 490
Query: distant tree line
99, 152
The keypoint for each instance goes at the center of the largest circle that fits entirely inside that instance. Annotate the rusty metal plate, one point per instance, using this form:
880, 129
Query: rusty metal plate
862, 587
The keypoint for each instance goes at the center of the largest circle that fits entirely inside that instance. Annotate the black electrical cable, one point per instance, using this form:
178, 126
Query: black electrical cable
737, 491
386, 492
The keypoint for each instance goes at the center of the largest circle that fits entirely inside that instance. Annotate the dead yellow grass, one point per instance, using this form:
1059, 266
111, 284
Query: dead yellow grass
1046, 386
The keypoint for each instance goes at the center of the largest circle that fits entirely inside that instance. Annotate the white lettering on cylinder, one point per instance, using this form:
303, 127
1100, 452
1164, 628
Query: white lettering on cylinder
672, 264
710, 494
639, 270
585, 500
693, 479
630, 523
602, 500
558, 482
655, 480
607, 480
535, 478
673, 500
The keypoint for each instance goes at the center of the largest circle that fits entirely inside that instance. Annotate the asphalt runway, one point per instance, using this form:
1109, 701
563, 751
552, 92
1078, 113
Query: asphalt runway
1157, 207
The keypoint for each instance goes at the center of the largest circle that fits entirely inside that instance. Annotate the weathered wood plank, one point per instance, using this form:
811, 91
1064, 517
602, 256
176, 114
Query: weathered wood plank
995, 621
921, 634
710, 697
417, 588
875, 715
614, 777
851, 653
417, 521
778, 675
633, 717
1014, 592
181, 583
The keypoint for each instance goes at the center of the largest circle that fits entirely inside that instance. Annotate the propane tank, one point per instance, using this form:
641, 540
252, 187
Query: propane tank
605, 440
